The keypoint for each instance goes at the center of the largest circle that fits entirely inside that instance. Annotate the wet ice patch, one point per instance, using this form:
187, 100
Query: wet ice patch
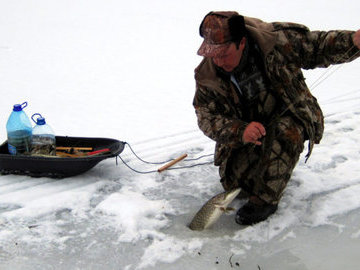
136, 216
356, 234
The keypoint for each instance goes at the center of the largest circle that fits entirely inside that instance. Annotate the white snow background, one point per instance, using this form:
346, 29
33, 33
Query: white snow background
124, 70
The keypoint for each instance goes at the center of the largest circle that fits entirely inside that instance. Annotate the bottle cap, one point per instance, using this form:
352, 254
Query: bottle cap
40, 120
19, 107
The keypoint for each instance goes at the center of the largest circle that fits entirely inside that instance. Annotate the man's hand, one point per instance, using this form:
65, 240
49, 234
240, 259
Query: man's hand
253, 132
356, 39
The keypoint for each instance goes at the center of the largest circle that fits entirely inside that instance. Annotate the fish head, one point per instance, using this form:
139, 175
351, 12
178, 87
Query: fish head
227, 197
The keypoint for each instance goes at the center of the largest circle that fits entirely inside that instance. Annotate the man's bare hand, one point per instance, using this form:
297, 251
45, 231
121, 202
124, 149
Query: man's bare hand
253, 132
356, 39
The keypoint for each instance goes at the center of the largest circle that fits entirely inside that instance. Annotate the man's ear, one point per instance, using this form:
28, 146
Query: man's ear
242, 43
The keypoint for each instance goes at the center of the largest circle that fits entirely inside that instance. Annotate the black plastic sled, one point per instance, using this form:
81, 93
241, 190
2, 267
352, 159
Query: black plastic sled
66, 165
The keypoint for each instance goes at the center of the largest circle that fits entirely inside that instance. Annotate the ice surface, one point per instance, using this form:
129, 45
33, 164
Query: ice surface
124, 70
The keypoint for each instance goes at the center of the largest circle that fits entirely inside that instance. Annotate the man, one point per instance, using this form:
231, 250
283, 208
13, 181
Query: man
251, 98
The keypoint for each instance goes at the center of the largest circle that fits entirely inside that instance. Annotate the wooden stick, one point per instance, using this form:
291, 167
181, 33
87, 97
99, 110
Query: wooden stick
163, 168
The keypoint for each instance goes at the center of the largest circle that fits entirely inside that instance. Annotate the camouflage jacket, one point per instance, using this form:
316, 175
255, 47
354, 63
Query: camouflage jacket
286, 48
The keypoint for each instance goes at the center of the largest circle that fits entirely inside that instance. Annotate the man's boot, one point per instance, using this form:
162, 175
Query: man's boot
254, 211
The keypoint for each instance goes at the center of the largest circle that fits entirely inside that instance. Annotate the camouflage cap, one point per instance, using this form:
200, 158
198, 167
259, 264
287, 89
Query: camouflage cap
216, 33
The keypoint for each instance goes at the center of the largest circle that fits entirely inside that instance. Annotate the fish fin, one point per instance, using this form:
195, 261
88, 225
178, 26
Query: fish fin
218, 205
227, 209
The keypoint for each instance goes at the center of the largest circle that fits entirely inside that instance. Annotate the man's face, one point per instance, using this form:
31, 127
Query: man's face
230, 58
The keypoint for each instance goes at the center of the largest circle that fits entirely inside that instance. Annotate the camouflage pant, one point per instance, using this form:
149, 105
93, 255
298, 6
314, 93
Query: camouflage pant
265, 170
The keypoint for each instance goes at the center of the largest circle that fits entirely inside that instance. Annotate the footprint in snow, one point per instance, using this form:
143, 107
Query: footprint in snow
335, 160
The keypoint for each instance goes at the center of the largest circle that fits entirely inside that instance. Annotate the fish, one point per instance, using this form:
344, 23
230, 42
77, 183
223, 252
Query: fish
211, 211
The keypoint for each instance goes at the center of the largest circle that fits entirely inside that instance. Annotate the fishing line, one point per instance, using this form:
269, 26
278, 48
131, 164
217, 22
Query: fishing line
343, 97
319, 80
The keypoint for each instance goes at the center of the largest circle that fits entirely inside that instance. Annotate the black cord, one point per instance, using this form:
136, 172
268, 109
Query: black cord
192, 159
133, 168
153, 171
191, 166
148, 162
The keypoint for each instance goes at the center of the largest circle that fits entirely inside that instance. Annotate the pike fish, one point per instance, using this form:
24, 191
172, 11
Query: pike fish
213, 209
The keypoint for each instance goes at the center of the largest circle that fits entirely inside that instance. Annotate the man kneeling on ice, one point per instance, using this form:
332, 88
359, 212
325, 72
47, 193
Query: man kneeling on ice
252, 99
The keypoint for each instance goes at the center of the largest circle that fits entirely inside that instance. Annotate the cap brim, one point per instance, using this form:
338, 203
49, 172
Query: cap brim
211, 50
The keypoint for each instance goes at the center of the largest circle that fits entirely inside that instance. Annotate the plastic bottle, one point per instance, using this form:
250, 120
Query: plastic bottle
19, 131
43, 137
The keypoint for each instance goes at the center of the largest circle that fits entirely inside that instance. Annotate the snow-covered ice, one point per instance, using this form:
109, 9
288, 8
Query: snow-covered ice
124, 70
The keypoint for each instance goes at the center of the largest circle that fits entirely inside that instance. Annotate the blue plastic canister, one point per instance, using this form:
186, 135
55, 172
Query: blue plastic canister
19, 131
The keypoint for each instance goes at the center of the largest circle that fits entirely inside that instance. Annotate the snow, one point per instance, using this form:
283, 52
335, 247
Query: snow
124, 70
140, 218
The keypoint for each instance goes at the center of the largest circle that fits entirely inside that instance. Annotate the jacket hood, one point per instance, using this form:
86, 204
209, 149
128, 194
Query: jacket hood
262, 32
